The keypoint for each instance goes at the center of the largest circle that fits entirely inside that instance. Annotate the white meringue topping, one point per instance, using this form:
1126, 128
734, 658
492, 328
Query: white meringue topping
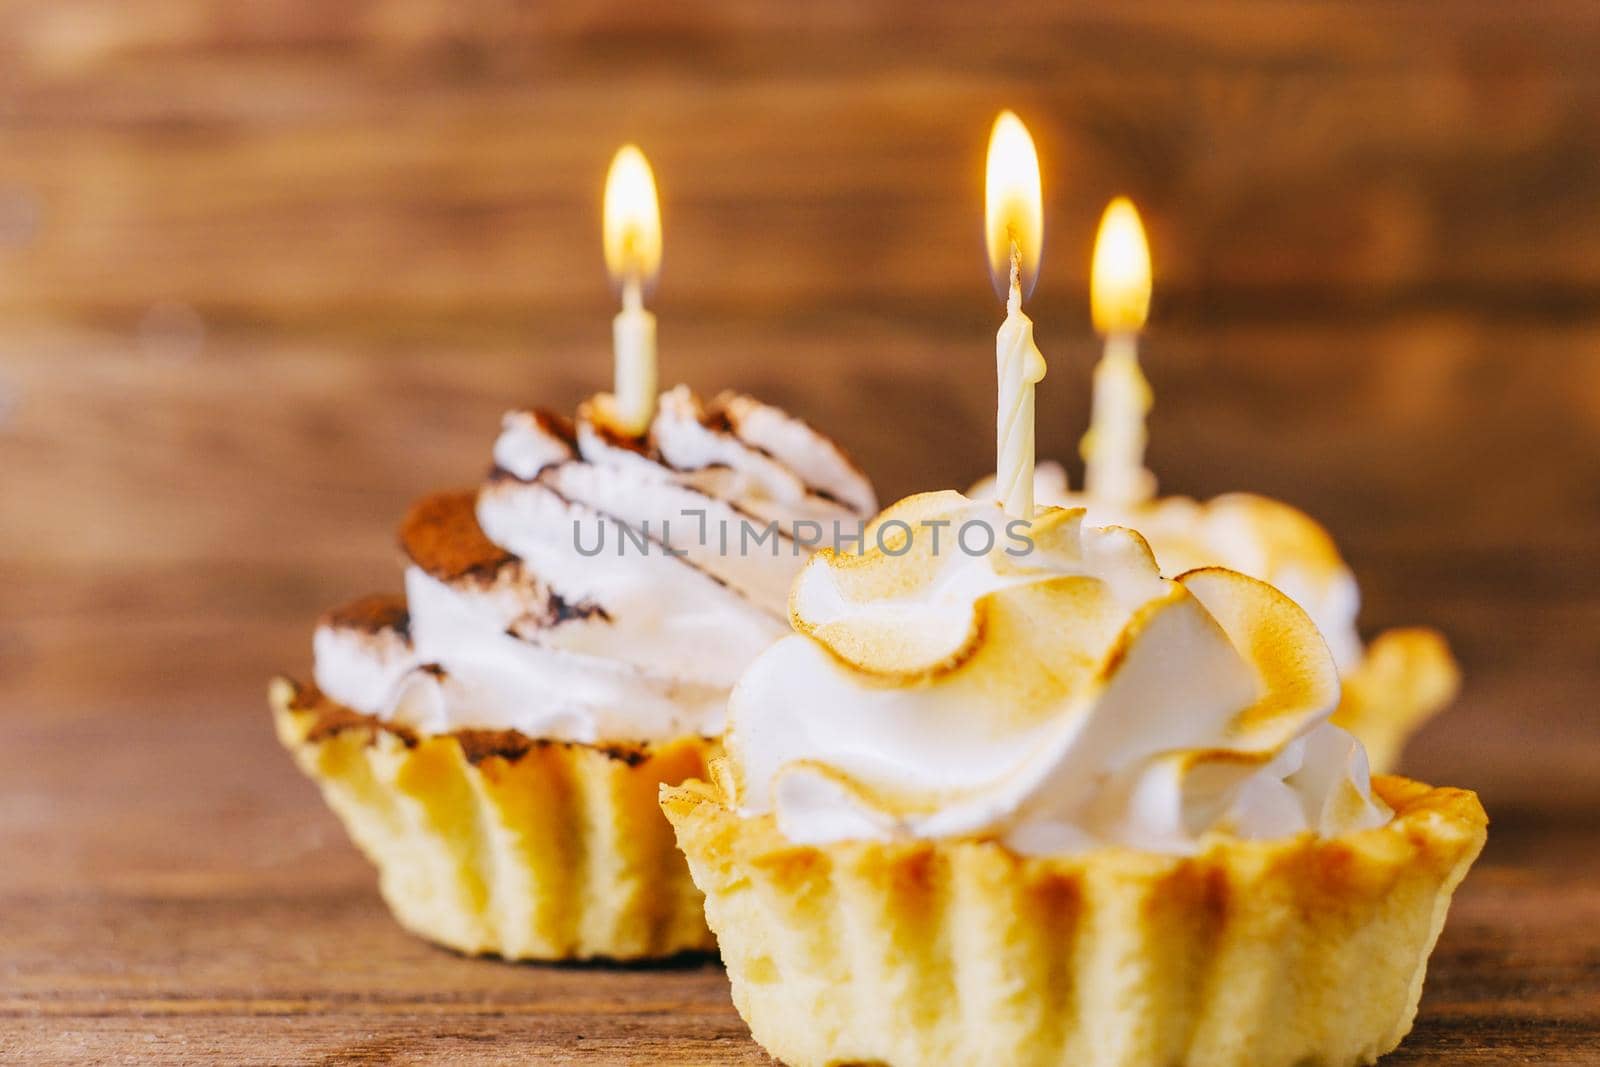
636, 637
1056, 699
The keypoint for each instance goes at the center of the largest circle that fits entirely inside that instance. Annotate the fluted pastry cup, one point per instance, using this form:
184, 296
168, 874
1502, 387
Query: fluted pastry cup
489, 842
1301, 950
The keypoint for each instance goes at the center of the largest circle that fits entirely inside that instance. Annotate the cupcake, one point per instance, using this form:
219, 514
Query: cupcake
1011, 796
1391, 686
494, 739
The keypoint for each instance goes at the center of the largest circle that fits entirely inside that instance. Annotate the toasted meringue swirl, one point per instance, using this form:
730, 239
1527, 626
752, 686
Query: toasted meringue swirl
1245, 532
1056, 699
586, 593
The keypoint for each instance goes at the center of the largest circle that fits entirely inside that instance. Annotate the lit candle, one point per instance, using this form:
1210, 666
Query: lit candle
632, 232
1113, 449
1014, 226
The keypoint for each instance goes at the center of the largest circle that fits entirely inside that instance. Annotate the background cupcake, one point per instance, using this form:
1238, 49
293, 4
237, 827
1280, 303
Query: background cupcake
568, 637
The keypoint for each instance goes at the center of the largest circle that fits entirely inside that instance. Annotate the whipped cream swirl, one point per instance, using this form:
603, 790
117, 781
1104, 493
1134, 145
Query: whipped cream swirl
598, 587
1054, 699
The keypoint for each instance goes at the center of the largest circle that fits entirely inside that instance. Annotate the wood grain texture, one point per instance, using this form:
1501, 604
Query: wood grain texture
269, 271
300, 162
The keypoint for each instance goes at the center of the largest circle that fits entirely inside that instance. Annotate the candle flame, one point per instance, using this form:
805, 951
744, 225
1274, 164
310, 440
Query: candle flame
1013, 204
632, 219
1119, 285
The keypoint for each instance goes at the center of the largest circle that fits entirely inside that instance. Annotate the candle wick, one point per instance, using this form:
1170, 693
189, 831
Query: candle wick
1014, 301
632, 292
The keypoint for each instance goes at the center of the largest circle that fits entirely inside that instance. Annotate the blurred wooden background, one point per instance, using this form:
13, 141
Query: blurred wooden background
269, 270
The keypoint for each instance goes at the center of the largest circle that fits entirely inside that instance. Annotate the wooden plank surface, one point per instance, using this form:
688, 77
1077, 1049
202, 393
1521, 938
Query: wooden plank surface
270, 270
296, 161
222, 915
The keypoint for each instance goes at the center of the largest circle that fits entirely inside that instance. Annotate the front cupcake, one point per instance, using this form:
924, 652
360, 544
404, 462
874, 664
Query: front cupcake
495, 739
1010, 796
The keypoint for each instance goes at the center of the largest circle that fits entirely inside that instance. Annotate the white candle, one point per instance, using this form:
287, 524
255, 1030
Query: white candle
1014, 225
633, 256
1019, 365
1113, 449
633, 342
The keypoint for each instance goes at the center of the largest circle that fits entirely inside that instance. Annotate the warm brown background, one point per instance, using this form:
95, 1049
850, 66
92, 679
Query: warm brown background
268, 270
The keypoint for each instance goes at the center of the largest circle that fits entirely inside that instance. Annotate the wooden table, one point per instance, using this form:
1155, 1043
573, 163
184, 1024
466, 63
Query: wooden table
268, 271
173, 890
